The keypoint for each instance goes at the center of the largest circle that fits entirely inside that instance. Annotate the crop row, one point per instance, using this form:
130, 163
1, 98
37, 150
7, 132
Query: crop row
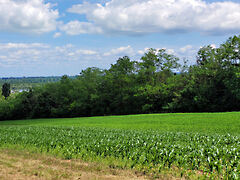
212, 153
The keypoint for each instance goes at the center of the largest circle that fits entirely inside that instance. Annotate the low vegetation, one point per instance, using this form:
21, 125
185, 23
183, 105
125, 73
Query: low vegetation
220, 123
27, 165
179, 142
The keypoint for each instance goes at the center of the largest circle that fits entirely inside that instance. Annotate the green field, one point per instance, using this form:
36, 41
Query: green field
175, 122
204, 144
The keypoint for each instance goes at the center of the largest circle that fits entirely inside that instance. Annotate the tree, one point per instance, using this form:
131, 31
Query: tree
6, 90
213, 83
84, 93
123, 66
120, 80
156, 66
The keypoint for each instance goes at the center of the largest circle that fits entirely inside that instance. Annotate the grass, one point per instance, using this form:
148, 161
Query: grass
22, 164
175, 122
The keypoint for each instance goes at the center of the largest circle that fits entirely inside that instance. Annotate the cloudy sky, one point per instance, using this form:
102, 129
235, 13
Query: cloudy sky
57, 37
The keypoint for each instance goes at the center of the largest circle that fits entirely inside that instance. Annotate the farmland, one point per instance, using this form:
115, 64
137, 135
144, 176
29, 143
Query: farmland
204, 144
173, 122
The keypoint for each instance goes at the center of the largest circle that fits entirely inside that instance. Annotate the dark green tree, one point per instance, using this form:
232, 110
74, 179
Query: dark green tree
155, 68
213, 83
6, 90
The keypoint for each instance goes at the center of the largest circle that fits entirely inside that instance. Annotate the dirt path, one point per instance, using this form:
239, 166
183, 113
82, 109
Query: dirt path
20, 165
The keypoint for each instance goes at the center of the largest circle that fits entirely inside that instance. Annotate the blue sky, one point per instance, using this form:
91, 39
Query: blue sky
57, 37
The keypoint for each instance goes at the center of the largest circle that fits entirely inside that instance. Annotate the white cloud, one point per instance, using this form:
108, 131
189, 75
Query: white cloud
76, 27
86, 52
39, 55
57, 34
31, 53
142, 52
44, 59
22, 45
188, 52
170, 51
185, 48
27, 16
147, 16
121, 51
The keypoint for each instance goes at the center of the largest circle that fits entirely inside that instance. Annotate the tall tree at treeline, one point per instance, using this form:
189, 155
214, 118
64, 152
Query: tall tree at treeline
213, 84
6, 90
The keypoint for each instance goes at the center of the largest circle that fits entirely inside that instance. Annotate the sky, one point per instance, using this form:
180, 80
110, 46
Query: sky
58, 37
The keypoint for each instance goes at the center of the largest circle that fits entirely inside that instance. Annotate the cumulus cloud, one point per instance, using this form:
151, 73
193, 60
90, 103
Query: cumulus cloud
36, 53
188, 52
15, 54
27, 16
86, 52
34, 59
121, 51
57, 34
143, 51
147, 16
43, 59
76, 28
22, 46
185, 48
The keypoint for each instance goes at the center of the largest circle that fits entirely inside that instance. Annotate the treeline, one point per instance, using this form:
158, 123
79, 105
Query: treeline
156, 83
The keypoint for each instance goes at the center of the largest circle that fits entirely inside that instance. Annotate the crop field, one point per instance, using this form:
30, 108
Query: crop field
203, 145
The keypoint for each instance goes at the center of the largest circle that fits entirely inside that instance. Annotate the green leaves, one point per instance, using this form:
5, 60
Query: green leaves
211, 153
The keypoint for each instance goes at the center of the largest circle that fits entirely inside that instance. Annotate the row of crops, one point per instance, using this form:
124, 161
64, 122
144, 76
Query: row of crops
206, 154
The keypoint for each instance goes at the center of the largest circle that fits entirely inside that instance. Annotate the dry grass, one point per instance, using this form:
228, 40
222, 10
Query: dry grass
21, 165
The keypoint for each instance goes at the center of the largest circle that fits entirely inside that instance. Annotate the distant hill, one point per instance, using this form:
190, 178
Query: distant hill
23, 83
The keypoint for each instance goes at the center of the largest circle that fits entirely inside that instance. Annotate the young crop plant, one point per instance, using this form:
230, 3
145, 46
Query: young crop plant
209, 154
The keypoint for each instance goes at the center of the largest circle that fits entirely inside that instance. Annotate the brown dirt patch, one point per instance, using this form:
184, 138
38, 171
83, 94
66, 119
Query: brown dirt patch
21, 165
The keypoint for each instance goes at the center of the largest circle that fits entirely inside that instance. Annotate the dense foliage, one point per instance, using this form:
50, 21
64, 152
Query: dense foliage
149, 85
203, 153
